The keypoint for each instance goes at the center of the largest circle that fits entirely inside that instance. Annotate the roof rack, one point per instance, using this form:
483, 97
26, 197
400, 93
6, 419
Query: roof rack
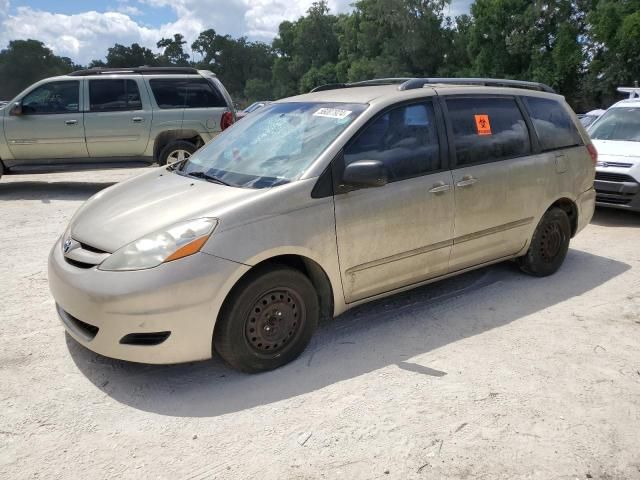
413, 83
488, 82
364, 83
634, 92
139, 70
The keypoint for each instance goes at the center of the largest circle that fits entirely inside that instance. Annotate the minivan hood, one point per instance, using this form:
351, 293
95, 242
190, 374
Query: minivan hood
130, 210
617, 148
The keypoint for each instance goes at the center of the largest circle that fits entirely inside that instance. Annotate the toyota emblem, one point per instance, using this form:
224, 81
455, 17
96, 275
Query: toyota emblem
66, 246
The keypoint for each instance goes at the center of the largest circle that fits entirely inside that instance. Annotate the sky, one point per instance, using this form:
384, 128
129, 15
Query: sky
84, 29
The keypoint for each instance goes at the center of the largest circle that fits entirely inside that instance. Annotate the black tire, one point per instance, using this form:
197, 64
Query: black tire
173, 147
268, 320
549, 244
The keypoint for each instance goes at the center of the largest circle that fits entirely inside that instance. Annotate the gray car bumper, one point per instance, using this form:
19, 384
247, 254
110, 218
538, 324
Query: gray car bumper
622, 195
175, 304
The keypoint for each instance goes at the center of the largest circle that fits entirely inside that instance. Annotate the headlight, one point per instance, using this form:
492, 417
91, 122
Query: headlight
177, 241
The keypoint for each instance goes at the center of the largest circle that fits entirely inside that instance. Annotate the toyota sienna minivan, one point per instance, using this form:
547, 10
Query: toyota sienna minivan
315, 204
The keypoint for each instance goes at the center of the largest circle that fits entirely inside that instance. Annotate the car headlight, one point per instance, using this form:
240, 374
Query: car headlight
172, 243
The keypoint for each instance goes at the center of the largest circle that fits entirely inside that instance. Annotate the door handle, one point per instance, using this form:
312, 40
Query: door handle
466, 181
137, 119
440, 188
71, 122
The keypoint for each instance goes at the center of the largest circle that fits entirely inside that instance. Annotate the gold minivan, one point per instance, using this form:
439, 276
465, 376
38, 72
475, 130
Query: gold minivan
315, 204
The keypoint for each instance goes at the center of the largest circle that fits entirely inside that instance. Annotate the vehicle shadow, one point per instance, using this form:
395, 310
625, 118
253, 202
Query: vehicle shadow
609, 217
47, 191
367, 338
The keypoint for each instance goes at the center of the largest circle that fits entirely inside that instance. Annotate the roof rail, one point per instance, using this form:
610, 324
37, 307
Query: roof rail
634, 92
139, 70
413, 83
364, 83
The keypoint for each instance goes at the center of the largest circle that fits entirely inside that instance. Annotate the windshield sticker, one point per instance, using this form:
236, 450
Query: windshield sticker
483, 125
332, 113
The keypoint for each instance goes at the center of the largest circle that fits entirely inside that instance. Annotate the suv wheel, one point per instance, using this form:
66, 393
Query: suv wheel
268, 320
549, 244
176, 152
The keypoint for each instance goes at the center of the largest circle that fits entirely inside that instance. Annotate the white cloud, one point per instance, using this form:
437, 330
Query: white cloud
83, 36
129, 10
86, 36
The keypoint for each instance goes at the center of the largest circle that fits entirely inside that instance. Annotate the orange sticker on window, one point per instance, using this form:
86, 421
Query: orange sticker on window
483, 125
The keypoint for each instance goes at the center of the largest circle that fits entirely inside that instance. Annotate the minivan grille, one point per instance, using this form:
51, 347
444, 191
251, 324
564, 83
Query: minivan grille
84, 256
614, 177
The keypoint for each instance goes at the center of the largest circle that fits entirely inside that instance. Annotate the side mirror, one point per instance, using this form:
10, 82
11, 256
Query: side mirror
365, 174
16, 109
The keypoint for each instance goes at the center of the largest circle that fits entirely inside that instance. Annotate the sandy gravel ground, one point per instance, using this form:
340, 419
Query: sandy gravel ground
490, 375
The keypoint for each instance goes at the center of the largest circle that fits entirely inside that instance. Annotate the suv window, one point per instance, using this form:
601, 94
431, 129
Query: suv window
405, 139
552, 123
487, 129
53, 97
114, 95
185, 93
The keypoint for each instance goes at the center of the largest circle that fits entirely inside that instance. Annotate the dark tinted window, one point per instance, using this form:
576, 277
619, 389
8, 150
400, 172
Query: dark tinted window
186, 93
405, 139
553, 125
54, 97
487, 129
113, 95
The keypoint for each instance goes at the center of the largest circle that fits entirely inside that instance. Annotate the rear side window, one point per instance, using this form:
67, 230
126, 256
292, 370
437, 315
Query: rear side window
553, 125
185, 93
114, 95
404, 139
487, 129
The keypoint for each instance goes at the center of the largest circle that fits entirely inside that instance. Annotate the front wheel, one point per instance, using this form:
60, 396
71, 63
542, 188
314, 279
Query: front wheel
549, 244
268, 320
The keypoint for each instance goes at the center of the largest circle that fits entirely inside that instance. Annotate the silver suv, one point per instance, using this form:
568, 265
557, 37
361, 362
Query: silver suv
105, 118
318, 203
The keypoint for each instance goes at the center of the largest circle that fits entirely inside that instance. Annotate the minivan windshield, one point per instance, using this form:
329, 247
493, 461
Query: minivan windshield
272, 146
618, 124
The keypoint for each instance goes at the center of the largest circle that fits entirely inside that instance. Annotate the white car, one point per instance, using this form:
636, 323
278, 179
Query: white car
589, 118
616, 136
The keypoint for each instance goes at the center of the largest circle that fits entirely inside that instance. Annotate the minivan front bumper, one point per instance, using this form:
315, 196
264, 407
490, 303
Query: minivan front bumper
160, 315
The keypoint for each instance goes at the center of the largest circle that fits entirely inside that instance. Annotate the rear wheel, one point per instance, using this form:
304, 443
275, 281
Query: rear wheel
176, 152
268, 320
549, 244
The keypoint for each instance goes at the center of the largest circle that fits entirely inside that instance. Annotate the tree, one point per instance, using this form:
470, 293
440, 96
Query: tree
26, 61
173, 53
614, 49
132, 56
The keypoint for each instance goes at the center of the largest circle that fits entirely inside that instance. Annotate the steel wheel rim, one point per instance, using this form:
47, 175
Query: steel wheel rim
552, 241
274, 321
178, 156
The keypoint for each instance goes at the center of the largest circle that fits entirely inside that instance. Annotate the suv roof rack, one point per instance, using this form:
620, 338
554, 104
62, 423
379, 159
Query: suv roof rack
364, 83
139, 70
487, 82
634, 92
413, 83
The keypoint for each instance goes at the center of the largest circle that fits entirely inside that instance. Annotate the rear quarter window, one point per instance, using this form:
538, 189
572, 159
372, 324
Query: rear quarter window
553, 125
174, 93
487, 129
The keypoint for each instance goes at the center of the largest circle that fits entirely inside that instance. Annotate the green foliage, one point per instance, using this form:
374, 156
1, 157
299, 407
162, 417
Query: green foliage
133, 56
173, 53
26, 61
583, 48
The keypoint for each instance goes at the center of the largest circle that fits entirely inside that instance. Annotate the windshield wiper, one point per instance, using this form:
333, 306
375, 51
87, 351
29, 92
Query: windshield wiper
208, 178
